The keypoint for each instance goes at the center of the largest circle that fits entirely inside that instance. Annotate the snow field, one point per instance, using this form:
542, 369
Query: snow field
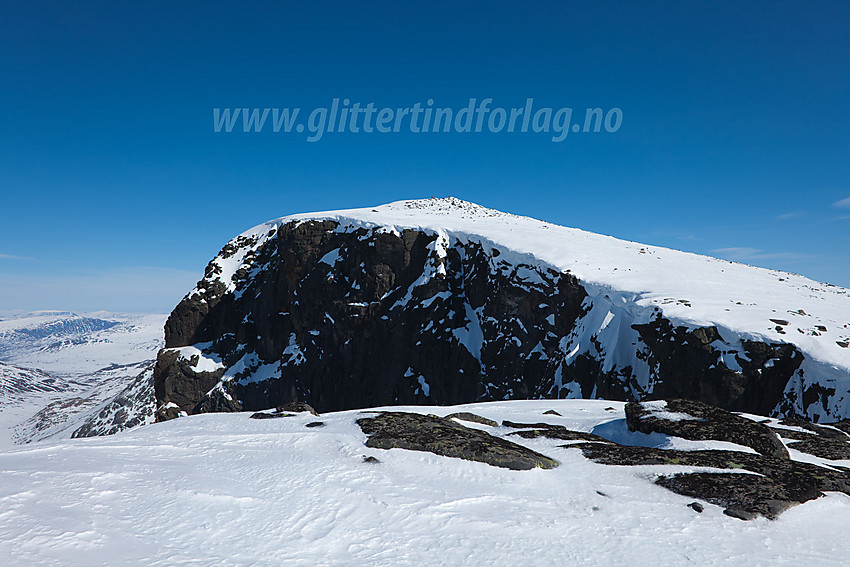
226, 489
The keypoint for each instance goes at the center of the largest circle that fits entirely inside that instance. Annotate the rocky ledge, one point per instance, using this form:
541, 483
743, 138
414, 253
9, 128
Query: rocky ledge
697, 421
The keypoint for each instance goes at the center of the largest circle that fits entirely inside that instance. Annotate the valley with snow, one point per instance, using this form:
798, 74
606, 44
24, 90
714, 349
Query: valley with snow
60, 370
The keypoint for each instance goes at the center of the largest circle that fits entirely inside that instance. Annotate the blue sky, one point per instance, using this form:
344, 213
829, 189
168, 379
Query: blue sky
116, 191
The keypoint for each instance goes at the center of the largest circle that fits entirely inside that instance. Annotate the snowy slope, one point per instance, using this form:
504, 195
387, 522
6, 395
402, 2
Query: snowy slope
223, 489
61, 415
17, 383
24, 391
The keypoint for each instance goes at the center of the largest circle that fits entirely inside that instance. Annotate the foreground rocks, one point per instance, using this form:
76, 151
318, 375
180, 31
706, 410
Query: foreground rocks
534, 430
774, 485
442, 436
747, 475
764, 483
697, 421
745, 484
286, 410
824, 442
745, 496
472, 418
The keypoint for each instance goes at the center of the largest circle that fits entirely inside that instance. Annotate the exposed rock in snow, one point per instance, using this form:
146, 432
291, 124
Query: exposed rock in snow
442, 436
133, 406
702, 422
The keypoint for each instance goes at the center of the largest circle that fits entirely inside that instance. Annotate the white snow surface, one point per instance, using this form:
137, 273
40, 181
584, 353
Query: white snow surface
195, 354
689, 289
658, 409
223, 489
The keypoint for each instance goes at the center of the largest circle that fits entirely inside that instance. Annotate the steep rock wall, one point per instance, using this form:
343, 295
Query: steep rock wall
342, 317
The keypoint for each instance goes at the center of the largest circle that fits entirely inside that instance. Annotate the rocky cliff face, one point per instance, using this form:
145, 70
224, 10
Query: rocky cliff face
341, 316
362, 319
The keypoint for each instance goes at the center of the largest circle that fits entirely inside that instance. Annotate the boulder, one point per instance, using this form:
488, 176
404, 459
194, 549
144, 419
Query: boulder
690, 419
441, 436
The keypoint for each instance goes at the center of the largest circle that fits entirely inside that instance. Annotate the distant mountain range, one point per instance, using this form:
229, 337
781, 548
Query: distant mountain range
64, 374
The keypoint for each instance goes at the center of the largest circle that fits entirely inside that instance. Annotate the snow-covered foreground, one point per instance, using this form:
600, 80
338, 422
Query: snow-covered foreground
223, 489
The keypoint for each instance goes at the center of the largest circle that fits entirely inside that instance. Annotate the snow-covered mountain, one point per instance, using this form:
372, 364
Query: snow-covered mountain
100, 403
443, 301
63, 374
305, 490
417, 306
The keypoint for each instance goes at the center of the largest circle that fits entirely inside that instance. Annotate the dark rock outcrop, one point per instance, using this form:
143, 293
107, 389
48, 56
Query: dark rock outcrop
826, 432
707, 423
133, 406
366, 327
832, 449
534, 430
686, 360
843, 425
563, 434
696, 507
270, 415
442, 436
820, 441
744, 496
775, 484
799, 477
297, 407
473, 418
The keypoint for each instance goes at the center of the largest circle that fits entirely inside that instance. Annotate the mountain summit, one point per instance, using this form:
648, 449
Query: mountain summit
441, 301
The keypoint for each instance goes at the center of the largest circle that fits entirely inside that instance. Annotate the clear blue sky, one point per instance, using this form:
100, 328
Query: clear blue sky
115, 191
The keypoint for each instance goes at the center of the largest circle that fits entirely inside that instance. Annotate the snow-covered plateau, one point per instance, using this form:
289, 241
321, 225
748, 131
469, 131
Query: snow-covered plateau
224, 489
